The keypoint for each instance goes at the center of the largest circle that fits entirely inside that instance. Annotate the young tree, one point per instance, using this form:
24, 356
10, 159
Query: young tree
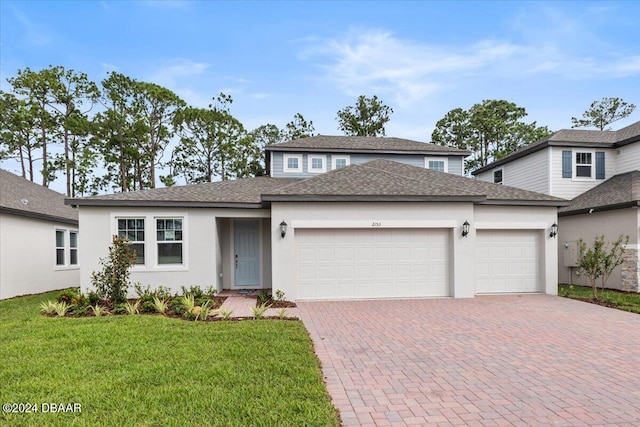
18, 139
490, 130
602, 113
599, 260
367, 118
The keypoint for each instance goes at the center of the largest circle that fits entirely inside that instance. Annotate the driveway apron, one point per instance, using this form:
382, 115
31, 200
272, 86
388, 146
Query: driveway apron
488, 361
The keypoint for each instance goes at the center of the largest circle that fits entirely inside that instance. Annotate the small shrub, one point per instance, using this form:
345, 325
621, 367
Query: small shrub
94, 298
48, 307
160, 305
258, 311
162, 292
211, 291
177, 306
61, 308
148, 307
68, 296
195, 291
189, 303
80, 310
279, 295
120, 308
204, 311
282, 313
99, 311
224, 313
263, 296
132, 308
144, 294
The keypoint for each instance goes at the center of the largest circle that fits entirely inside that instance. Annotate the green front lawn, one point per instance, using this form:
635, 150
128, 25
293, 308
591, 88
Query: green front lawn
621, 300
153, 370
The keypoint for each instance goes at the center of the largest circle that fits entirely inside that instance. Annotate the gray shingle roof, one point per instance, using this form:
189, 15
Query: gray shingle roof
573, 137
617, 192
19, 196
241, 192
397, 181
363, 144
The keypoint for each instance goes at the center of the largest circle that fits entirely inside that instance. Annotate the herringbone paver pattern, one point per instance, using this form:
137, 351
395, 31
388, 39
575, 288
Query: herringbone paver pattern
512, 360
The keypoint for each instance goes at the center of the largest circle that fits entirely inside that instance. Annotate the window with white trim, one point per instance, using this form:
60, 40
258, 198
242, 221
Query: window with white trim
340, 161
316, 164
436, 163
73, 248
292, 162
169, 240
133, 230
584, 164
60, 248
497, 176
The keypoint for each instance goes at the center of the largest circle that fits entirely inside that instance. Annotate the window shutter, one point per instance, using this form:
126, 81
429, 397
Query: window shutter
599, 165
566, 163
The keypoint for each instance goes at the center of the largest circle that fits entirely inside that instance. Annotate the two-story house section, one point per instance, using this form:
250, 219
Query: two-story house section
568, 162
600, 172
308, 157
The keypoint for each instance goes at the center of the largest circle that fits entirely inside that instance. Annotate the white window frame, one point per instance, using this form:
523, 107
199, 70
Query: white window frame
146, 236
575, 165
66, 249
493, 175
445, 160
334, 159
160, 242
72, 248
62, 248
311, 158
285, 163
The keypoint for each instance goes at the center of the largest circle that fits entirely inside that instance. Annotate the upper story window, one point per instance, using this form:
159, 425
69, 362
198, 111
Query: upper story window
584, 163
169, 236
292, 162
316, 164
340, 161
497, 176
437, 164
133, 230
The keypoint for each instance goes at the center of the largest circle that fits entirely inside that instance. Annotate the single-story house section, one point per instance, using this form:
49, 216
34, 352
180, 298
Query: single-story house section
39, 244
610, 209
381, 229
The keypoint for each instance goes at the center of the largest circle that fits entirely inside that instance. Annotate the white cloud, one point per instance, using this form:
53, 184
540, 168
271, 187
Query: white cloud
170, 75
109, 67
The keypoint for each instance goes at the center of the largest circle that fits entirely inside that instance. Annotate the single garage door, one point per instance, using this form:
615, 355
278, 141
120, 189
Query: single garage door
507, 261
372, 263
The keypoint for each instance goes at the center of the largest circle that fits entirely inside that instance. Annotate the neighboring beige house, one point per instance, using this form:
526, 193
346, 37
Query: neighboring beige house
382, 228
39, 244
599, 171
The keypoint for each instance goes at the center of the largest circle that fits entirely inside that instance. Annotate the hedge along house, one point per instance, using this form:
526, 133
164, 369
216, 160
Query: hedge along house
38, 239
381, 229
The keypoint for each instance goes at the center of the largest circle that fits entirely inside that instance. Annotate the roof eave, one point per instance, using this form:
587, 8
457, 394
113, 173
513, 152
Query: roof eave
516, 202
160, 203
364, 150
368, 198
634, 203
37, 215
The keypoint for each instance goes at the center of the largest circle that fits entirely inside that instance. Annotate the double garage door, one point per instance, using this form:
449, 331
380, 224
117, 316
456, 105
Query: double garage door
372, 263
396, 263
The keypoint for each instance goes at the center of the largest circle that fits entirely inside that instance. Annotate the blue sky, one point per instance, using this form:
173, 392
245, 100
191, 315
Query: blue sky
279, 58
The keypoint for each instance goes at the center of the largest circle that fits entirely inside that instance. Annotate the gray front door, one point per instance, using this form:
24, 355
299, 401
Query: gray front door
247, 253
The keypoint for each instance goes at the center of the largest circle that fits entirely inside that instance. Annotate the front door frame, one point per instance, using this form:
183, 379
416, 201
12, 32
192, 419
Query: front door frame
233, 253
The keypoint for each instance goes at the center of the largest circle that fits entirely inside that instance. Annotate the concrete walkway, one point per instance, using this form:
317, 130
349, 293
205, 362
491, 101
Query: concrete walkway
241, 304
531, 360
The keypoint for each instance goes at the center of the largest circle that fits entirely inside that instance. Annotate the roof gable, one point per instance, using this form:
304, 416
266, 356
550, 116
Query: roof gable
19, 196
363, 144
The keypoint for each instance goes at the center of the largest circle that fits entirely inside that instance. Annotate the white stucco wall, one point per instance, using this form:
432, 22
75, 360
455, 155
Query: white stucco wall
28, 257
412, 215
204, 247
611, 224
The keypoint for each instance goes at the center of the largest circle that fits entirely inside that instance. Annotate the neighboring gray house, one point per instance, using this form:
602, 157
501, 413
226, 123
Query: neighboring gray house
39, 244
379, 229
599, 171
307, 157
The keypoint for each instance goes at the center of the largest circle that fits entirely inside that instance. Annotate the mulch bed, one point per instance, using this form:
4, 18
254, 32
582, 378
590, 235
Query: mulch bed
277, 303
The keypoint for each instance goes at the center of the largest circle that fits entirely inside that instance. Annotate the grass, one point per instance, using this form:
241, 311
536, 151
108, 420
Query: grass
621, 300
153, 370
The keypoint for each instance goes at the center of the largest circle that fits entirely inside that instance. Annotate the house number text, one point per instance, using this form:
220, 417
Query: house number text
376, 224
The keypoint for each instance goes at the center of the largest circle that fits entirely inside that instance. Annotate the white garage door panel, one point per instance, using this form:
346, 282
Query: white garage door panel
365, 263
507, 261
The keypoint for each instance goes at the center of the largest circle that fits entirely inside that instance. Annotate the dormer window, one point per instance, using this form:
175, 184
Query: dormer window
584, 163
292, 162
316, 164
436, 163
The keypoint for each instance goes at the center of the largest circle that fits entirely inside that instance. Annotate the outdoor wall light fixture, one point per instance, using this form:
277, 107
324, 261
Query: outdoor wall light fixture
554, 230
465, 228
283, 228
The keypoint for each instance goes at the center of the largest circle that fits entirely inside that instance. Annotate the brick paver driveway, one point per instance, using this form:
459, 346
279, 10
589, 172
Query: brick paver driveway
493, 360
